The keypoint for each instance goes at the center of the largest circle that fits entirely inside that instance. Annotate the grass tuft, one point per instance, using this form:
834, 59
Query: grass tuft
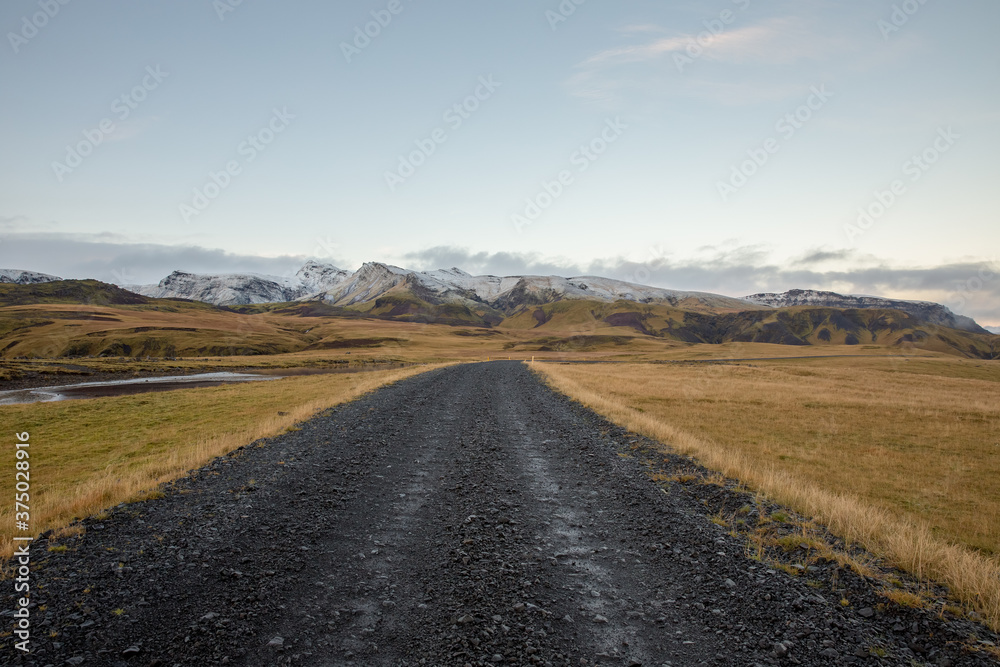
90, 455
885, 455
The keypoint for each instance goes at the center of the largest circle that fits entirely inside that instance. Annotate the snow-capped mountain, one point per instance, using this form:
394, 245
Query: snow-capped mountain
221, 290
19, 277
316, 281
244, 288
315, 277
928, 311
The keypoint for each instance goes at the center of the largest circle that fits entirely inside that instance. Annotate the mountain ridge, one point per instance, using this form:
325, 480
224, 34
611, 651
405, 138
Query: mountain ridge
22, 277
73, 318
324, 282
928, 311
489, 295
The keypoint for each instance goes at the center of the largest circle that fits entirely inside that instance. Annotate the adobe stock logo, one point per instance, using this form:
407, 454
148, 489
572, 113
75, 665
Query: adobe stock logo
566, 9
455, 116
122, 107
585, 156
31, 25
223, 7
706, 38
787, 126
363, 35
219, 181
915, 168
900, 16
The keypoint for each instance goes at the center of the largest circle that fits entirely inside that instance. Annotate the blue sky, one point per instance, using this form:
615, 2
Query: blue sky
729, 146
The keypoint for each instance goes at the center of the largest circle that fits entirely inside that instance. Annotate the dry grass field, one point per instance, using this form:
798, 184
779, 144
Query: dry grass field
893, 445
89, 455
901, 455
193, 336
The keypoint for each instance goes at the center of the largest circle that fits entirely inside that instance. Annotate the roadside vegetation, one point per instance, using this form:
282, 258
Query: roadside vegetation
88, 455
898, 455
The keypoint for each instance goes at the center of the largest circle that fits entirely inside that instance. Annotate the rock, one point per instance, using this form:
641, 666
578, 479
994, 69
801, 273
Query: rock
600, 619
867, 612
131, 651
277, 642
730, 583
829, 653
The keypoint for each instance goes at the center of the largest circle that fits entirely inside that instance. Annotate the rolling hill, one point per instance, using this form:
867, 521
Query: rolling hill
405, 319
927, 311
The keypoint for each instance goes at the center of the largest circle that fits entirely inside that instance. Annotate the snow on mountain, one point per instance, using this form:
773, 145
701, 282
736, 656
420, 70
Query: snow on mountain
221, 290
324, 282
369, 282
315, 277
928, 311
19, 277
244, 288
316, 281
503, 292
995, 330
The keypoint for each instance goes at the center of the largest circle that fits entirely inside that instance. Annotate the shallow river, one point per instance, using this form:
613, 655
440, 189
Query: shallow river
125, 387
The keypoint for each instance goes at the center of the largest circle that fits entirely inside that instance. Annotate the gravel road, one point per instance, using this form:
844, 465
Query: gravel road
467, 516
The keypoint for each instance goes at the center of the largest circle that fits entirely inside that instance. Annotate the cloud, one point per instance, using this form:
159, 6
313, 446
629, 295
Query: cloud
775, 41
111, 259
640, 28
131, 128
8, 222
680, 64
818, 256
17, 223
485, 263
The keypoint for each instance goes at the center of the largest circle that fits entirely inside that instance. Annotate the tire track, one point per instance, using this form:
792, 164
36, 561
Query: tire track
466, 516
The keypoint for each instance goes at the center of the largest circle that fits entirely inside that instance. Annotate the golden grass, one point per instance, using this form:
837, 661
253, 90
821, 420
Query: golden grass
900, 456
88, 455
905, 598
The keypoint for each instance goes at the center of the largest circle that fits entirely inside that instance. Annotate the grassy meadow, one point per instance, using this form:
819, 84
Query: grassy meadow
88, 455
901, 455
894, 445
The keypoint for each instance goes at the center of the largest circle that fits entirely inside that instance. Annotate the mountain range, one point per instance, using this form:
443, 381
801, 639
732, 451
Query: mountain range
338, 287
248, 314
927, 311
341, 288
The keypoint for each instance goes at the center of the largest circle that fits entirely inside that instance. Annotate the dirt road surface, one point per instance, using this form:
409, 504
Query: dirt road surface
467, 516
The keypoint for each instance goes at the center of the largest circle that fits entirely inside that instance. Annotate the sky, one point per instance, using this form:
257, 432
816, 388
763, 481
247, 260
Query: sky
730, 146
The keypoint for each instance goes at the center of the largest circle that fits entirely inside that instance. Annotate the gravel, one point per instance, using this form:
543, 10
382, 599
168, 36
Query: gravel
466, 516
